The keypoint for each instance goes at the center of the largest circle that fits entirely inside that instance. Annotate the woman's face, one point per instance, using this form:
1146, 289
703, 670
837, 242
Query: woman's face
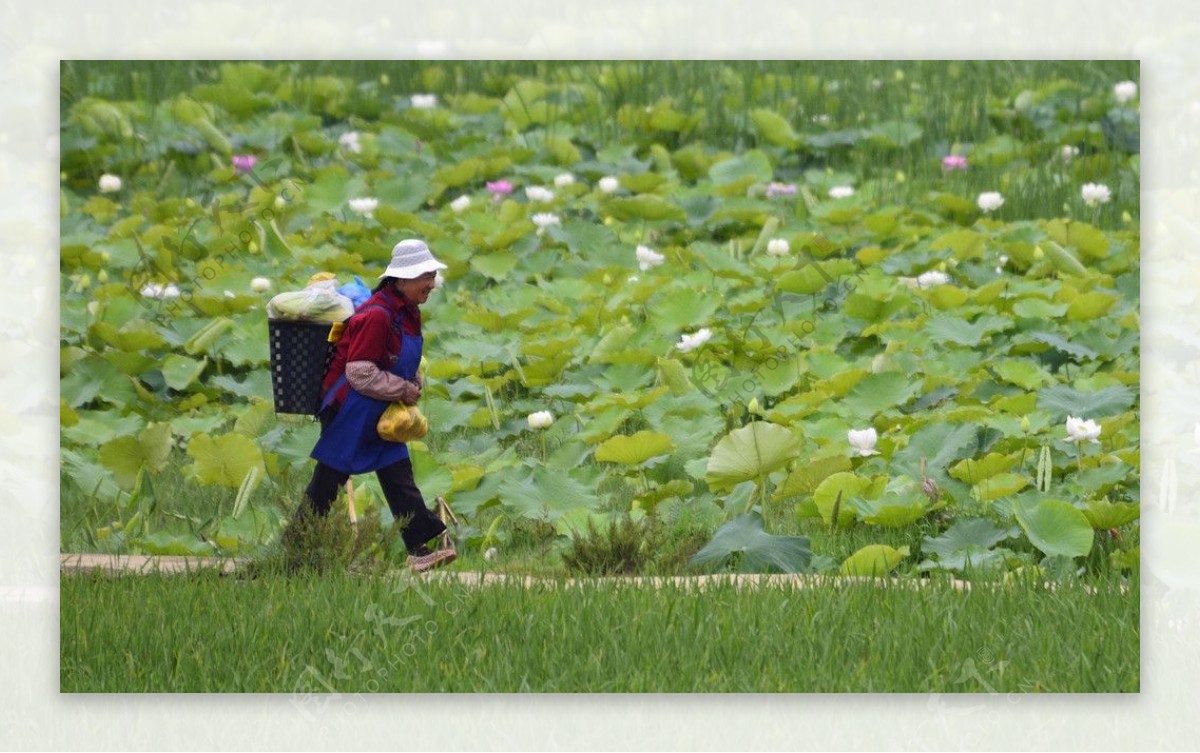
417, 290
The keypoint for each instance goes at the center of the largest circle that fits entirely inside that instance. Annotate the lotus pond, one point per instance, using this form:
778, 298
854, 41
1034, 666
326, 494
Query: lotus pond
871, 318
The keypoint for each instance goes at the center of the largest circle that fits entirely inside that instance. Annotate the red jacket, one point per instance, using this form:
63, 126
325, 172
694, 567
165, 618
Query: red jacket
372, 334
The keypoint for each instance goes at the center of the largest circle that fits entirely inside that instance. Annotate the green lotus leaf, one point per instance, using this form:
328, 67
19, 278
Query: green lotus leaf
895, 134
1038, 308
873, 561
180, 371
1001, 485
642, 207
177, 545
674, 488
545, 493
749, 454
774, 128
948, 328
806, 478
940, 443
891, 510
1103, 515
1024, 374
681, 310
841, 490
965, 534
1087, 239
1090, 306
1064, 401
971, 559
126, 455
495, 266
753, 550
752, 167
1055, 527
247, 532
877, 393
973, 471
635, 449
255, 420
224, 460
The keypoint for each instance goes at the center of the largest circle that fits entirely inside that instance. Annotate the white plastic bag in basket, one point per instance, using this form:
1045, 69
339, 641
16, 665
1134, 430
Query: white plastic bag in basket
319, 302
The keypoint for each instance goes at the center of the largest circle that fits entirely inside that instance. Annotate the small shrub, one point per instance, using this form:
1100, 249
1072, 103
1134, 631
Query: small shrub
620, 549
674, 546
314, 544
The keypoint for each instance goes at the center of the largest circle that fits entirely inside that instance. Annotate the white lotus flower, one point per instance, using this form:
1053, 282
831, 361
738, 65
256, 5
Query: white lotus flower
154, 290
990, 201
544, 220
260, 284
538, 193
863, 441
841, 192
438, 280
109, 183
778, 247
349, 141
491, 554
1095, 193
540, 420
1125, 91
563, 180
648, 258
460, 204
365, 206
1079, 430
932, 278
608, 184
1068, 152
691, 342
424, 101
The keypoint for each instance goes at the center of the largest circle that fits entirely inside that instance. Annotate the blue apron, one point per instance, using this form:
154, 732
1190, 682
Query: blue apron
351, 443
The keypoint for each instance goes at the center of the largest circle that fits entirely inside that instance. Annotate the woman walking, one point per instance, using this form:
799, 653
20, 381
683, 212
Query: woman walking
374, 365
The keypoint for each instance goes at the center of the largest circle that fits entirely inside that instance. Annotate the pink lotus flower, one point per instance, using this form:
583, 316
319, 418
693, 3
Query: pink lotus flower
780, 189
244, 163
954, 162
499, 188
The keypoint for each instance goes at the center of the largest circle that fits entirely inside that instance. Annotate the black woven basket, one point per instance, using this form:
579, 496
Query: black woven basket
300, 353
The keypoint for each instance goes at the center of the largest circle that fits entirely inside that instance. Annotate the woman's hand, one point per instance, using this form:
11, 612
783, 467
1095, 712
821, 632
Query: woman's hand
410, 393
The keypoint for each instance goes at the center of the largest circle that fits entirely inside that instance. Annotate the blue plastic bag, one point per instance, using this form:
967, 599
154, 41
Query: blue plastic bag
356, 291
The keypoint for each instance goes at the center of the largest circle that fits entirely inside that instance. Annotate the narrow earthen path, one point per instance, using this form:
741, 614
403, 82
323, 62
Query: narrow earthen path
120, 564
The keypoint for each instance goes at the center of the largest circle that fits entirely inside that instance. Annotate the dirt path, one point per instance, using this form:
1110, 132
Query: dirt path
145, 564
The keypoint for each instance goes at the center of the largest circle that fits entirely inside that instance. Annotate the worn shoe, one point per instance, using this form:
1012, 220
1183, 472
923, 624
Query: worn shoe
423, 559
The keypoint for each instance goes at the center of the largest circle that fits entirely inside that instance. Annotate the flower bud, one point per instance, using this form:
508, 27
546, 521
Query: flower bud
1025, 423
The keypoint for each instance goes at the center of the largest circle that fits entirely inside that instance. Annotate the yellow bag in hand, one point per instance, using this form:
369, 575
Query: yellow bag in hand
402, 423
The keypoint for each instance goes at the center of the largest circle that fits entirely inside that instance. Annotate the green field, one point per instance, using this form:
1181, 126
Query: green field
840, 318
362, 635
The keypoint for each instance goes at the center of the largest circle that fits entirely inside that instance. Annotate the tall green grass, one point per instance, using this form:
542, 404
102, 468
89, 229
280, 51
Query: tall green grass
953, 102
358, 635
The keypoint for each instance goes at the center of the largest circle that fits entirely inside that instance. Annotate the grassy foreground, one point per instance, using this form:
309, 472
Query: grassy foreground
359, 634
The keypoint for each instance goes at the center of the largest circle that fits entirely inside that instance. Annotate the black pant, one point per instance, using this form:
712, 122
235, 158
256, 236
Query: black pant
403, 497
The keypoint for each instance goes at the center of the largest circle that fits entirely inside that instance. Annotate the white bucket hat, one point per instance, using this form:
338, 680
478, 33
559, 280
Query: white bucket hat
411, 258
